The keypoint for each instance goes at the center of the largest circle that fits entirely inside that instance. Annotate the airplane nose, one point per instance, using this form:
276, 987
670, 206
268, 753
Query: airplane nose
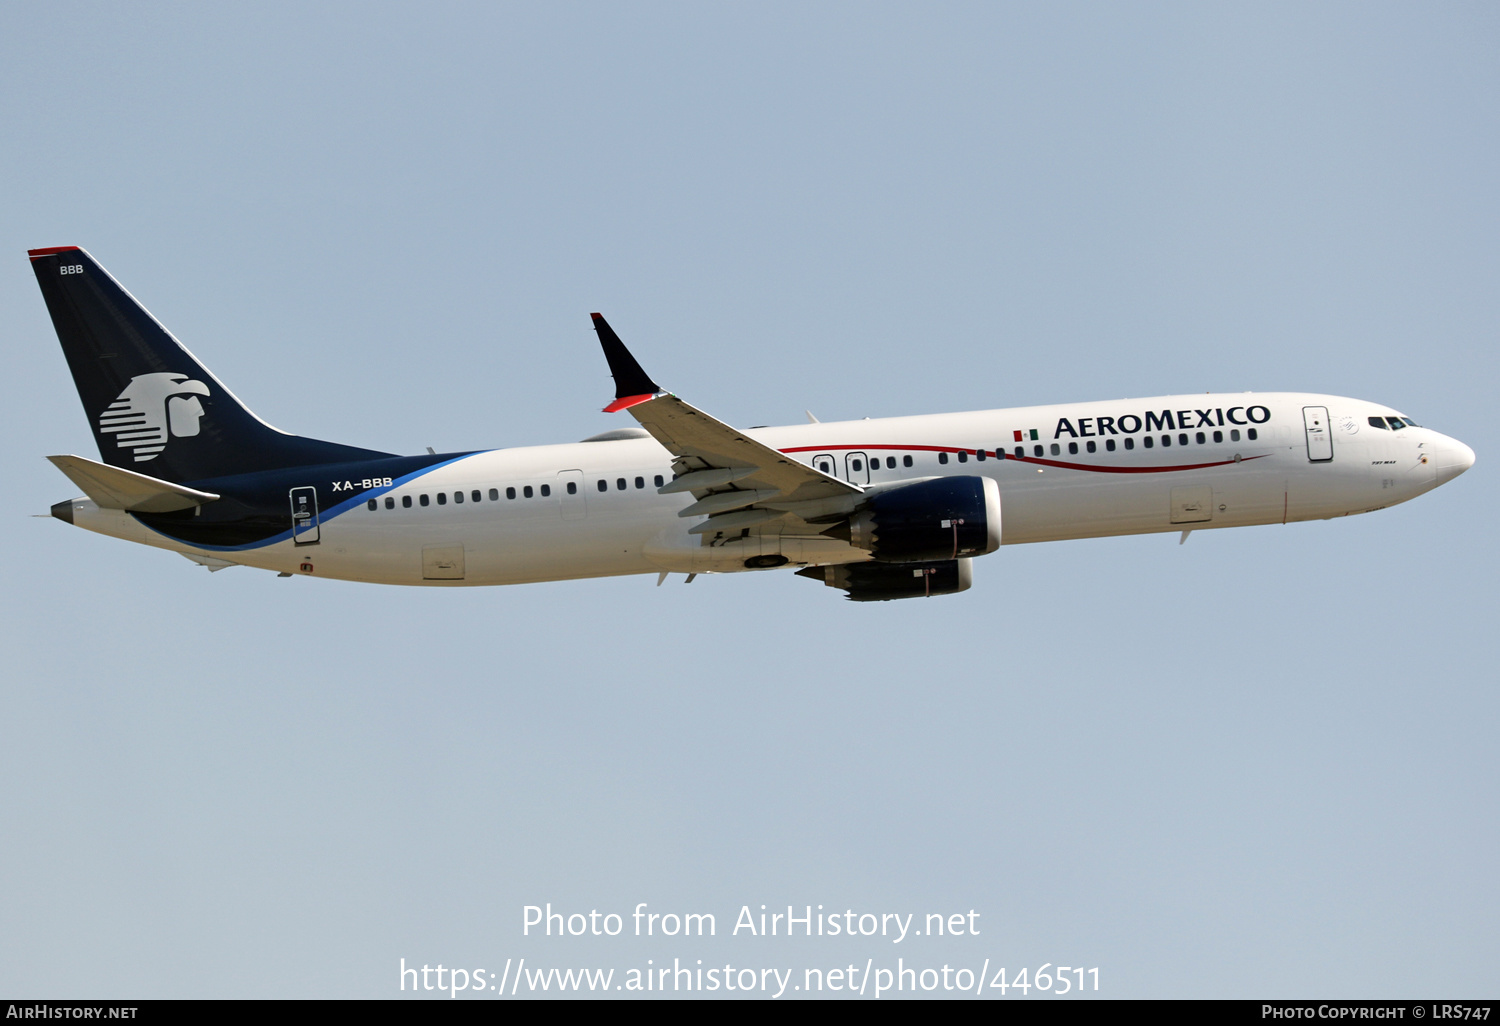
1451, 459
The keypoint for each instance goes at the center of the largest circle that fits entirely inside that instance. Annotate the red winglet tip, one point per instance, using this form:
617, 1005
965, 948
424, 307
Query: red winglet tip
626, 402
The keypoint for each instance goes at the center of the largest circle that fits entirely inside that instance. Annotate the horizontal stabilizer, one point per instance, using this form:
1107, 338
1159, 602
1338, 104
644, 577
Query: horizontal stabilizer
117, 488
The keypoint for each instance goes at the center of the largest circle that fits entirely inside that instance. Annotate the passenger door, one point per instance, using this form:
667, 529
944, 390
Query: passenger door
1319, 438
304, 515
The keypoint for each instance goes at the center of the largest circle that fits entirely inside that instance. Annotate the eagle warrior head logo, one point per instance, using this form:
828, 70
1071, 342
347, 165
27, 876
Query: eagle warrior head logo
151, 406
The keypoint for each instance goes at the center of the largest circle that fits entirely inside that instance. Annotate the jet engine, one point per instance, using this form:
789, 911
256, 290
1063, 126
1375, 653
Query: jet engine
878, 582
939, 519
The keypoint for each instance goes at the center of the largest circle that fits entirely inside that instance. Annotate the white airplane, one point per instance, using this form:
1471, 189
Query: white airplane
882, 509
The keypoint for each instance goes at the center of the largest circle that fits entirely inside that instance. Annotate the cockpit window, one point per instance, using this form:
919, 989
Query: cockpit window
1396, 423
1410, 422
1378, 422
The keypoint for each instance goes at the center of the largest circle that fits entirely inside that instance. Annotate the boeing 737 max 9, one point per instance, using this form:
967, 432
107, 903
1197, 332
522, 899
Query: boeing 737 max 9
882, 509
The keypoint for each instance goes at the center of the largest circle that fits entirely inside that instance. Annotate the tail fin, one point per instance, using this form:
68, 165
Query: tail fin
153, 407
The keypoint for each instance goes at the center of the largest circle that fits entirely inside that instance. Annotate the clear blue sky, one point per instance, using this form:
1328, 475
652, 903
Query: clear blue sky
1260, 763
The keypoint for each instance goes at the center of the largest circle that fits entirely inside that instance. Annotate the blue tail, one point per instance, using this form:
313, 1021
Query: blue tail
153, 407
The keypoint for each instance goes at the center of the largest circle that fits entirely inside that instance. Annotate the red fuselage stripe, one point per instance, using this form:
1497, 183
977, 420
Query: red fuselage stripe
1001, 454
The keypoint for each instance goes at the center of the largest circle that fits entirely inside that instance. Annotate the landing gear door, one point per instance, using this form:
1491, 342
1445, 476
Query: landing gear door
304, 515
1319, 439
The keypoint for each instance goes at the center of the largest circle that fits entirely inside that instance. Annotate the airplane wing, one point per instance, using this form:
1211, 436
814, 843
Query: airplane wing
726, 471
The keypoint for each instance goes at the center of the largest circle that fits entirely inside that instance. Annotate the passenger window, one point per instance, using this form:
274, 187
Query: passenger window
640, 482
1148, 441
475, 495
442, 498
390, 503
1200, 438
825, 467
963, 457
572, 487
406, 502
372, 505
890, 463
1020, 452
603, 485
546, 490
1166, 440
1182, 439
1251, 434
1091, 447
1378, 422
619, 484
494, 495
1129, 443
1234, 434
657, 480
1218, 436
458, 496
510, 493
1036, 450
1072, 448
422, 499
526, 491
979, 455
942, 458
1056, 449
906, 461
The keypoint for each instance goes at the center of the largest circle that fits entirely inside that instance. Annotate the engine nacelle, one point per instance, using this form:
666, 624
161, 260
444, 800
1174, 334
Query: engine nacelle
878, 582
942, 519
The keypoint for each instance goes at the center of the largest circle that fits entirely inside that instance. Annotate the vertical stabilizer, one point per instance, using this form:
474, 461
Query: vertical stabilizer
152, 406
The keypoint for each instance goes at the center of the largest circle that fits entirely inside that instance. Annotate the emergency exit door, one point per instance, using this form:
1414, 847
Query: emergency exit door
1319, 438
857, 468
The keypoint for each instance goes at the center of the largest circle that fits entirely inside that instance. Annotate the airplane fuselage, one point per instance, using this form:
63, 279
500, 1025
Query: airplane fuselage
592, 509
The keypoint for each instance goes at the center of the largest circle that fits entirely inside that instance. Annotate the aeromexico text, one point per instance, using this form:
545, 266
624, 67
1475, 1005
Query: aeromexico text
768, 922
1166, 420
